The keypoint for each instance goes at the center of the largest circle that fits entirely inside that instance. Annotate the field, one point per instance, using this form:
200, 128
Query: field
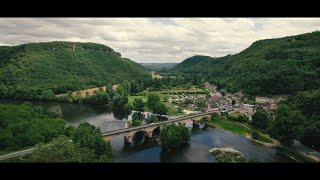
91, 90
131, 98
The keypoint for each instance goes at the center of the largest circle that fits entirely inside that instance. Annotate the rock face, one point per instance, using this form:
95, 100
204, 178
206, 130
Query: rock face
228, 155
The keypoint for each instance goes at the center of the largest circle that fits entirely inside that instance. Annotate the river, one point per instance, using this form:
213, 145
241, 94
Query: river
197, 151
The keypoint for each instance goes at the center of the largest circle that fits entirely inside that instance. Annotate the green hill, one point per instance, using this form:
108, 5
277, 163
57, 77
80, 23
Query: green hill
191, 61
28, 70
273, 66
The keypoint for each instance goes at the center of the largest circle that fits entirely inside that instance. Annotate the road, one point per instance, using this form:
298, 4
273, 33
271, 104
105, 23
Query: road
306, 150
16, 154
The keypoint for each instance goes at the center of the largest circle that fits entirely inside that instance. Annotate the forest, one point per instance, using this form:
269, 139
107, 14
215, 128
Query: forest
31, 70
268, 67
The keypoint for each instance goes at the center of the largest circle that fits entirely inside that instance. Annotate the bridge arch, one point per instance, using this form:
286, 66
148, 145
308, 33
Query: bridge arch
156, 131
138, 137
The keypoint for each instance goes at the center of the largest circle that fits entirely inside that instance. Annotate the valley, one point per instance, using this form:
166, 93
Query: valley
263, 101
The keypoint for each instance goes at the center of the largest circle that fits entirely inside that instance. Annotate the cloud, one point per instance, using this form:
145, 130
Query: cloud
156, 39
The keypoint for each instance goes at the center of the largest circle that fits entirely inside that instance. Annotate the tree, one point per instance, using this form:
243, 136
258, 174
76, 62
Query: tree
47, 95
153, 119
109, 89
69, 131
189, 85
160, 109
136, 123
173, 136
126, 87
121, 90
23, 126
261, 119
287, 125
88, 136
99, 97
55, 111
242, 118
233, 102
135, 116
138, 104
116, 99
153, 100
255, 135
201, 105
223, 93
123, 101
215, 117
135, 87
165, 98
61, 149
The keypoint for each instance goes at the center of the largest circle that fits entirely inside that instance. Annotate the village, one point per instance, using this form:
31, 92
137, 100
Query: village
226, 103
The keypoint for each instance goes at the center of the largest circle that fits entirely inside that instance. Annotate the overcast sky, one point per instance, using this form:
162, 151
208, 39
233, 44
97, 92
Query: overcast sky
156, 39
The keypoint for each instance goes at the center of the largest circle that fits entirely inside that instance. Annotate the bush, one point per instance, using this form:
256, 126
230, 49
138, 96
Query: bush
255, 135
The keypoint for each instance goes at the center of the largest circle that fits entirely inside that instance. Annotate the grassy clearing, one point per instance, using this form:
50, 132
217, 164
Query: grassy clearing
172, 110
238, 128
131, 98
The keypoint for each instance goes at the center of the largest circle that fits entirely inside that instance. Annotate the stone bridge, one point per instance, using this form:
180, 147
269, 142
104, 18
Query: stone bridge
149, 129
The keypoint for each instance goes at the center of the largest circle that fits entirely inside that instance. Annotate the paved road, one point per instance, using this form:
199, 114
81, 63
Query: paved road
306, 150
16, 154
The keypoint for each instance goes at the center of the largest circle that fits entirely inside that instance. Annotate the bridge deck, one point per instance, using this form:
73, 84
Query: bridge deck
120, 131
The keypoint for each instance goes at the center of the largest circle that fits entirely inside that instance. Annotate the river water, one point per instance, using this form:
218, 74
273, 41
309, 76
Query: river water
149, 151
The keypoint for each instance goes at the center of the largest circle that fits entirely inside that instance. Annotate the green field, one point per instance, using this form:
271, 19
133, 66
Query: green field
237, 128
172, 110
131, 98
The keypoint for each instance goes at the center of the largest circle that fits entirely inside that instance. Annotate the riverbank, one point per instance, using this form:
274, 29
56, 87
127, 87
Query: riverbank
238, 128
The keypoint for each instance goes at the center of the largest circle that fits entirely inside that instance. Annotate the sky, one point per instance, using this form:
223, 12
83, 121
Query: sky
156, 40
